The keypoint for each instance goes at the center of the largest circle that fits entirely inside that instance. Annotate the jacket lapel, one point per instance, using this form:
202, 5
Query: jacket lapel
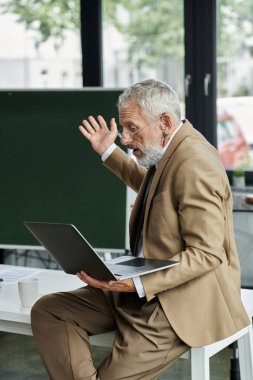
134, 217
185, 130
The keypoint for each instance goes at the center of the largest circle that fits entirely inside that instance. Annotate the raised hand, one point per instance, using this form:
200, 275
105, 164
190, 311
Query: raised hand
97, 132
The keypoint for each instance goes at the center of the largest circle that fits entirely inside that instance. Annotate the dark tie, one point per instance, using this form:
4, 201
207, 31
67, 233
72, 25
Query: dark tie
140, 221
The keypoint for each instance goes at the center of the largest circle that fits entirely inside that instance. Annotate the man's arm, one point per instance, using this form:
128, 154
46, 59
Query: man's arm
101, 139
125, 168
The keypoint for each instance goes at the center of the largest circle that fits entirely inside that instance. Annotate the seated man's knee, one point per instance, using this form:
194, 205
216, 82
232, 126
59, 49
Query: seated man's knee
42, 306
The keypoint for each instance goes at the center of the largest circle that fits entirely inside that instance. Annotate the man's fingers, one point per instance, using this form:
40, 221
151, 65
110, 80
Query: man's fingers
88, 127
84, 132
93, 281
94, 123
102, 122
113, 125
92, 126
118, 285
112, 286
80, 277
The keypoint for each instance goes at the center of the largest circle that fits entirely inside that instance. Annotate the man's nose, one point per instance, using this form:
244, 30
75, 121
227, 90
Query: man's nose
125, 139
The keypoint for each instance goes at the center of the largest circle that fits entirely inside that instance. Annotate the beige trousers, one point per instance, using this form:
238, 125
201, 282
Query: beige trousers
145, 344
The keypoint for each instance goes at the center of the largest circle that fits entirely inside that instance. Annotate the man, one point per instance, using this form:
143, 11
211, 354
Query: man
186, 202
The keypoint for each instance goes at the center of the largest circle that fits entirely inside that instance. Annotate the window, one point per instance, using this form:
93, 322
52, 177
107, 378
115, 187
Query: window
40, 44
143, 39
235, 82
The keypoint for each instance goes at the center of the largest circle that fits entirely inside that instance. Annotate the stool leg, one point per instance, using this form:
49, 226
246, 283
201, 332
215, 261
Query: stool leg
245, 349
199, 364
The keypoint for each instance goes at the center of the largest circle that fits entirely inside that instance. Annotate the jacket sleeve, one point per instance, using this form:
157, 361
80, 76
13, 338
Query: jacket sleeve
126, 169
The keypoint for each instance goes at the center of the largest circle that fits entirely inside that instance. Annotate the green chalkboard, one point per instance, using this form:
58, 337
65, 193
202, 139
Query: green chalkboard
48, 170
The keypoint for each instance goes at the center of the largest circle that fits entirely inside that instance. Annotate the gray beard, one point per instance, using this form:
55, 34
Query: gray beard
152, 156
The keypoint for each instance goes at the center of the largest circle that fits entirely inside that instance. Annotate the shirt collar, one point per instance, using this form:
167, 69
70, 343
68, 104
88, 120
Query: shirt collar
171, 137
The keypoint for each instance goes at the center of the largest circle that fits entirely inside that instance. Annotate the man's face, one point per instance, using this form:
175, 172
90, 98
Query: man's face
141, 135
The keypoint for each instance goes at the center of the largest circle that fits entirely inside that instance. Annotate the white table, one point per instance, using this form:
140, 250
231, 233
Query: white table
14, 318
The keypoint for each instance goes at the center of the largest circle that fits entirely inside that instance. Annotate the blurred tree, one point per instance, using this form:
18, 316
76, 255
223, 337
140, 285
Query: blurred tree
154, 29
234, 27
48, 18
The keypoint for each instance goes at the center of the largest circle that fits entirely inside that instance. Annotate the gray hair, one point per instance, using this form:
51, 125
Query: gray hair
154, 98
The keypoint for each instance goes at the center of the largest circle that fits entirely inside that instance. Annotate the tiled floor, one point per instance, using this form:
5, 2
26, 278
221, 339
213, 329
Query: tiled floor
20, 361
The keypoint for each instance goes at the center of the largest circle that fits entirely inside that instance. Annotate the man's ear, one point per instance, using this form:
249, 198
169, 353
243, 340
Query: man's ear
166, 123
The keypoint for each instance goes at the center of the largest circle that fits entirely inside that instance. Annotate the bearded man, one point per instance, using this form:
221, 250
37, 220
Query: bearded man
182, 212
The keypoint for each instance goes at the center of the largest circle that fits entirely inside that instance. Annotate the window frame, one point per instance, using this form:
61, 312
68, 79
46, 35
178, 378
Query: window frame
200, 62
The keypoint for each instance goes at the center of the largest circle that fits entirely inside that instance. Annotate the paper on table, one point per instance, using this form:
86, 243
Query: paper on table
12, 275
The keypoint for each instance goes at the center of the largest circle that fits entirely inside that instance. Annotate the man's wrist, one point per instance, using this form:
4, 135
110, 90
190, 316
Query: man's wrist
108, 151
139, 287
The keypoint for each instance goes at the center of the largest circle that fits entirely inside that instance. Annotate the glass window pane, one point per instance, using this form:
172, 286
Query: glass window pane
40, 44
235, 82
143, 39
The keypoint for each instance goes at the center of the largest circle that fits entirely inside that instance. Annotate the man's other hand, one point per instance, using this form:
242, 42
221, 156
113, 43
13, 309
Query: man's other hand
110, 286
97, 132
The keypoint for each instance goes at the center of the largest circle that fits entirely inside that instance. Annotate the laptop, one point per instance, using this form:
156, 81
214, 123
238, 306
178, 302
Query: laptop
74, 254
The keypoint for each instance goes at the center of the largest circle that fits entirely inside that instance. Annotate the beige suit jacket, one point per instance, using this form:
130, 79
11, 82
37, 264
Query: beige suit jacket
188, 218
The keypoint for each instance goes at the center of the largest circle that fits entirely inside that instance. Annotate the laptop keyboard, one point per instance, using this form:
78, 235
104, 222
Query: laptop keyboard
125, 270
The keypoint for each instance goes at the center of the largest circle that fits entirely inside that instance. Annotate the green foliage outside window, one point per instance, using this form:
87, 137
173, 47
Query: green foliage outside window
154, 29
47, 18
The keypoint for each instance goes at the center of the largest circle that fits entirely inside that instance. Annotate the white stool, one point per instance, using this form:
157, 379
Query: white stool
200, 356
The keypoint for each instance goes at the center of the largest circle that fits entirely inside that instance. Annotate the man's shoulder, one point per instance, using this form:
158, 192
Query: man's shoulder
194, 144
192, 148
